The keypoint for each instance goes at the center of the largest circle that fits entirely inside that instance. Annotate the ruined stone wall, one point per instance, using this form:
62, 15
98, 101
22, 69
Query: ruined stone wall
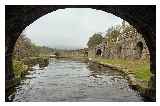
19, 17
129, 45
73, 53
91, 52
132, 45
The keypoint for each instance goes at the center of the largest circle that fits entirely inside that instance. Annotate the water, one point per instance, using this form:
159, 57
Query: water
67, 80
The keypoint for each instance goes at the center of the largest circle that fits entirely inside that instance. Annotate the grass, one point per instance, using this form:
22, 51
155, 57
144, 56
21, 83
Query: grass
19, 68
140, 68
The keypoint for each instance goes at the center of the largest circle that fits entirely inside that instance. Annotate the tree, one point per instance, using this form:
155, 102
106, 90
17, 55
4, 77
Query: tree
24, 48
113, 33
95, 40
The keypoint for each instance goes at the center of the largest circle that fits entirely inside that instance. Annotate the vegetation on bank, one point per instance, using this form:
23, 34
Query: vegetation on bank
27, 54
139, 68
19, 68
24, 48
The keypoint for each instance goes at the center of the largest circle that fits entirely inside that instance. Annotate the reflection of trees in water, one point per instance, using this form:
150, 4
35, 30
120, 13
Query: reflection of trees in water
10, 95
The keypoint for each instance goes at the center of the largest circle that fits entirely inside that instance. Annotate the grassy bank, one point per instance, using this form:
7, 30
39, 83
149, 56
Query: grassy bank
139, 68
20, 67
19, 70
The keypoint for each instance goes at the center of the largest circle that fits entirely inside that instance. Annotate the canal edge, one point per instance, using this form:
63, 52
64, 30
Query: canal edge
133, 83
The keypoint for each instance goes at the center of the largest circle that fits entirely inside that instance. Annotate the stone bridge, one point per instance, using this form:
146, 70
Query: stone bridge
143, 18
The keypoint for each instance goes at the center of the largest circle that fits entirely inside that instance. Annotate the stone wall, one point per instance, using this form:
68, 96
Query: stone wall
19, 17
129, 45
73, 53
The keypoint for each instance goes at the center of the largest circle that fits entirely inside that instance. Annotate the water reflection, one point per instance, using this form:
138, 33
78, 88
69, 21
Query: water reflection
67, 80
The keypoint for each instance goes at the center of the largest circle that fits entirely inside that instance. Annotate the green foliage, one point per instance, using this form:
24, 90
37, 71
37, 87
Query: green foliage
140, 68
24, 48
19, 68
26, 54
95, 40
143, 72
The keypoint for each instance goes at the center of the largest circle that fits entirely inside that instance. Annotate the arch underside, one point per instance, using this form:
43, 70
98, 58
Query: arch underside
143, 18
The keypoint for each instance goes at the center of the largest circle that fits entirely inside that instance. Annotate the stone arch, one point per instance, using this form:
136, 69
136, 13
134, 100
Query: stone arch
86, 53
19, 17
119, 51
98, 52
139, 48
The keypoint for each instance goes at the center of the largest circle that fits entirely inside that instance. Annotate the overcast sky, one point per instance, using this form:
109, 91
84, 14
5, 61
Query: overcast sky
69, 28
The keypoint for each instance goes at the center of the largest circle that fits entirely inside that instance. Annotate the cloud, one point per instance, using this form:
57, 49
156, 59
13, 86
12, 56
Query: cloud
69, 28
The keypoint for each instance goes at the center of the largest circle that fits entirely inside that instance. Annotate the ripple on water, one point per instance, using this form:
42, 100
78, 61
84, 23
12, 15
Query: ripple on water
65, 80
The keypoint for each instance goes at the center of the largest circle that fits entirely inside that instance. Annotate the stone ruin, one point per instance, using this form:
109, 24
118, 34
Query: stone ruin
128, 45
73, 53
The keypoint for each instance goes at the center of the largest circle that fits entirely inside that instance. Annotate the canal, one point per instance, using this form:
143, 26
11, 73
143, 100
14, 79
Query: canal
68, 80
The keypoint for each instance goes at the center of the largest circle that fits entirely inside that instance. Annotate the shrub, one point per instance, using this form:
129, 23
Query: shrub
19, 68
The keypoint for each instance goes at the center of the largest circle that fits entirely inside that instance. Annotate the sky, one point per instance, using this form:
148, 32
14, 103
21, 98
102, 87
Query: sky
69, 28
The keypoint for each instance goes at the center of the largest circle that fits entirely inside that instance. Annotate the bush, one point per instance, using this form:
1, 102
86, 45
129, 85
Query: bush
19, 68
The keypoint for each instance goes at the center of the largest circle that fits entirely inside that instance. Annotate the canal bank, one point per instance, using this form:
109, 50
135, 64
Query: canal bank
133, 83
20, 69
70, 80
139, 85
